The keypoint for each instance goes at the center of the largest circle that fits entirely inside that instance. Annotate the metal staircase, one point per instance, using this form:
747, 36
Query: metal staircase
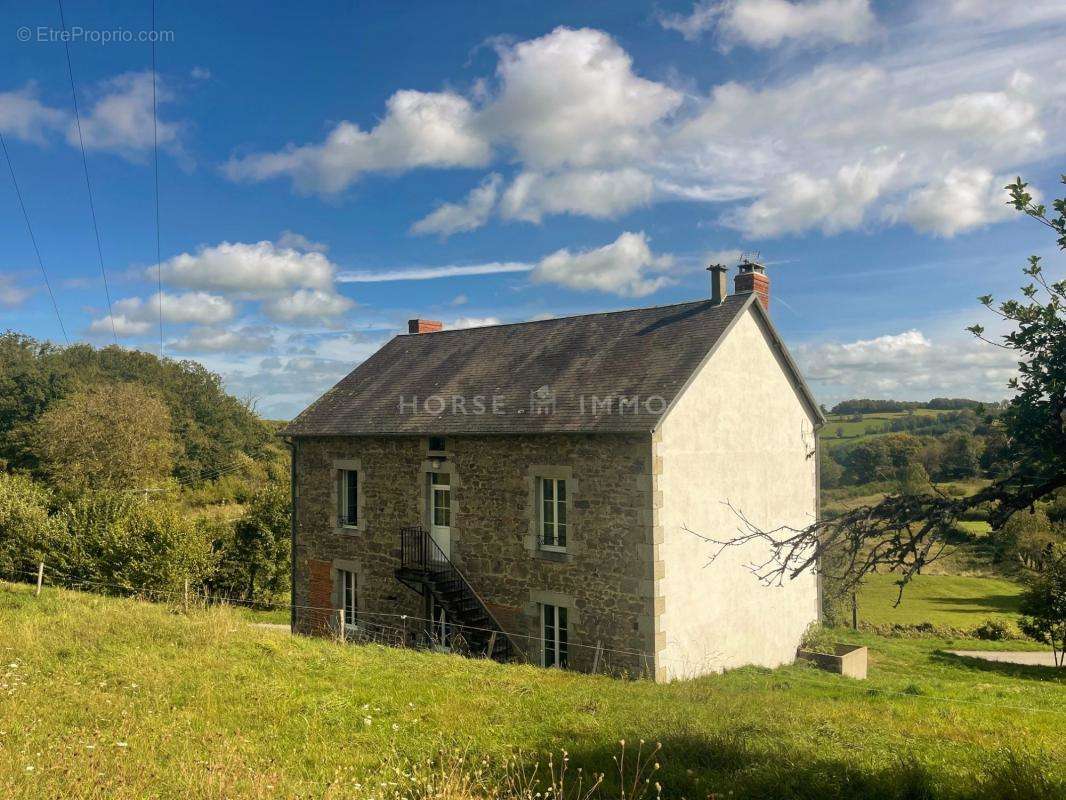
468, 624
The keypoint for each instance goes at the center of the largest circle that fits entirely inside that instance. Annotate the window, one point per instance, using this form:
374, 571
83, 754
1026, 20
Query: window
555, 636
437, 444
441, 508
348, 497
349, 601
553, 513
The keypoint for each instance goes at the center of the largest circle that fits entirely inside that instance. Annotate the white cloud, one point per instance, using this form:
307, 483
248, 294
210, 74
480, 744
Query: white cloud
908, 365
621, 267
827, 143
799, 202
468, 215
24, 116
420, 129
216, 340
601, 194
822, 150
571, 98
120, 119
297, 241
307, 304
253, 270
964, 199
471, 322
767, 23
432, 273
134, 315
12, 294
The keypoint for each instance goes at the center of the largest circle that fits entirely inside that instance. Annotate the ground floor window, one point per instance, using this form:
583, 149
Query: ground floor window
555, 635
349, 596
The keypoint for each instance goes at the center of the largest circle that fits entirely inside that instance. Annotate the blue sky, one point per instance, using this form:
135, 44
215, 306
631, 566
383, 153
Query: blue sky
327, 173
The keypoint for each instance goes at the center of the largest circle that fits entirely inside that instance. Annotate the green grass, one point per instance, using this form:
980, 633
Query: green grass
949, 600
111, 698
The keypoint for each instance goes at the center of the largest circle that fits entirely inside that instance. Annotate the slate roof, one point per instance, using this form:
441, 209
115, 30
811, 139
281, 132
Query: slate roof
555, 365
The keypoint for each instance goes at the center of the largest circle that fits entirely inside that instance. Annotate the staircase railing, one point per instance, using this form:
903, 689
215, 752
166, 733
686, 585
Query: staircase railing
419, 551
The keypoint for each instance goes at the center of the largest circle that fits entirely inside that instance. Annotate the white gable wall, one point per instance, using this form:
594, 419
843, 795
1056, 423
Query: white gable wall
740, 433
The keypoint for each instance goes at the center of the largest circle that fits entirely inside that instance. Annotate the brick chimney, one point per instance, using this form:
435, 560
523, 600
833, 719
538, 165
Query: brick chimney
719, 283
751, 277
424, 325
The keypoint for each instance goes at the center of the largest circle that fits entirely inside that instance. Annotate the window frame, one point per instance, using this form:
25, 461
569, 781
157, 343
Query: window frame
348, 599
557, 505
555, 650
349, 506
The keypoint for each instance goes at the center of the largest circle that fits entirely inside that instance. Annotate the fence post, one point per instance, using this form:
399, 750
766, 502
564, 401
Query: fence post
596, 657
40, 578
854, 611
186, 600
340, 627
492, 645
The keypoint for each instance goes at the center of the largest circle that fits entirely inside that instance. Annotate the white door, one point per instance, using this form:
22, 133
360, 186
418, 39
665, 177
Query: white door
440, 511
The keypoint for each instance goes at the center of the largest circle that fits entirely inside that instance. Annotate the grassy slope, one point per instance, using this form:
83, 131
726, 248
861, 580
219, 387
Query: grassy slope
209, 706
950, 600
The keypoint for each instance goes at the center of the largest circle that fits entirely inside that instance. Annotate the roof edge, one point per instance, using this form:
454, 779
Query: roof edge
804, 390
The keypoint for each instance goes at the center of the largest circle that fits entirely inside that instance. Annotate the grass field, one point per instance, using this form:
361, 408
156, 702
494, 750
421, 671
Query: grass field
949, 600
853, 431
103, 697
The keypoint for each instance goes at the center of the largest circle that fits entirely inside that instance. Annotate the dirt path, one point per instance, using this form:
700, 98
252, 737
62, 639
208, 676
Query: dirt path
1037, 658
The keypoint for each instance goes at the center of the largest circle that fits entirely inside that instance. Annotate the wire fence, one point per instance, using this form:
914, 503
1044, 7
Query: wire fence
397, 634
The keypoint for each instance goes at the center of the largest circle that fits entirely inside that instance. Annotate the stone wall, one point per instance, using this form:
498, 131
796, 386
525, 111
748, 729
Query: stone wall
605, 577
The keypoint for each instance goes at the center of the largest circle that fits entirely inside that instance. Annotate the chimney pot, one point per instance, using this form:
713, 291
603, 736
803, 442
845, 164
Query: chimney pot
751, 277
424, 325
719, 283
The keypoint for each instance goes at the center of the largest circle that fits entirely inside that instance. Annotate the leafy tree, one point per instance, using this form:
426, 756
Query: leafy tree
211, 427
27, 533
1027, 538
959, 458
831, 471
1043, 606
904, 532
121, 543
106, 436
253, 553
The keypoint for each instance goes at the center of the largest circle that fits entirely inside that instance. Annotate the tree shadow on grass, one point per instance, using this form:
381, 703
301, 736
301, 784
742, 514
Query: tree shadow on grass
999, 603
719, 766
1033, 672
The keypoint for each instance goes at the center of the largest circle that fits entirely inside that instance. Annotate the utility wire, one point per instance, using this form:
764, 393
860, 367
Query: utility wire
85, 167
33, 239
155, 161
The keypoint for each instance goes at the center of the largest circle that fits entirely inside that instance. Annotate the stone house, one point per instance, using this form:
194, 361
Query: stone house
534, 491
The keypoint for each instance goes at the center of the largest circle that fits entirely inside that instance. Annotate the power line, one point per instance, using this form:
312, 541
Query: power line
85, 167
155, 161
33, 239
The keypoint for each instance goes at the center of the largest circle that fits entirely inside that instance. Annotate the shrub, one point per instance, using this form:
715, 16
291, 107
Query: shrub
121, 543
27, 533
995, 630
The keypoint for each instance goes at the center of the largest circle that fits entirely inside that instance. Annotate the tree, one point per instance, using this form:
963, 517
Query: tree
1043, 606
904, 532
253, 553
959, 458
106, 436
1028, 538
27, 533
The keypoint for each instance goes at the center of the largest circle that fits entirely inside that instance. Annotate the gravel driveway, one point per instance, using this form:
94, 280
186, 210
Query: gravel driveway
1038, 658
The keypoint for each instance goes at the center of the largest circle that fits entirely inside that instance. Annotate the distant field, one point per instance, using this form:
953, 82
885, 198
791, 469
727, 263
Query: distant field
121, 699
852, 431
949, 600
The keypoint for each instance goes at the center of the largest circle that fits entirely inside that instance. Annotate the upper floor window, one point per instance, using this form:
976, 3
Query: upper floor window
437, 444
348, 497
553, 513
